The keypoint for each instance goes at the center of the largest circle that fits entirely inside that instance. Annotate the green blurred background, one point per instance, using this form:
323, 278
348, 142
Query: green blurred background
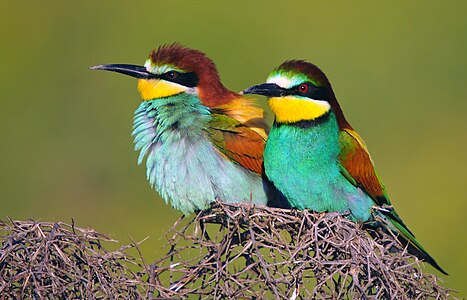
399, 70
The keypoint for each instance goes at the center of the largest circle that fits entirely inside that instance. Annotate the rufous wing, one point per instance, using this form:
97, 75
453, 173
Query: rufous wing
237, 142
356, 160
359, 169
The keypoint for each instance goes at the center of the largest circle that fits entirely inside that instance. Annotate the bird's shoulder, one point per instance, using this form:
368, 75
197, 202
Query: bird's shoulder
239, 131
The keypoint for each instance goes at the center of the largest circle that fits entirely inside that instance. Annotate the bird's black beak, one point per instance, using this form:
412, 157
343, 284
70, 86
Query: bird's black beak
267, 89
139, 72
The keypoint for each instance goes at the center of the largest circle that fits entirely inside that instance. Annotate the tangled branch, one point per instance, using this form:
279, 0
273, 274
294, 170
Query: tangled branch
235, 251
59, 261
229, 251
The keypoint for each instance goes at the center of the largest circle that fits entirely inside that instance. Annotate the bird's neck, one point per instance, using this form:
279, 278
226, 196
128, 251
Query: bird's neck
214, 94
182, 114
313, 143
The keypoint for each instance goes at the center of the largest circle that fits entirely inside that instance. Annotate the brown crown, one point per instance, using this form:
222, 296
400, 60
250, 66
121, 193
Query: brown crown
210, 88
315, 73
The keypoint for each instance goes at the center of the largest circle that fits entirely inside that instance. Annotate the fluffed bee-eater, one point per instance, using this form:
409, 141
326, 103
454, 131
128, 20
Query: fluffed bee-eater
202, 141
316, 159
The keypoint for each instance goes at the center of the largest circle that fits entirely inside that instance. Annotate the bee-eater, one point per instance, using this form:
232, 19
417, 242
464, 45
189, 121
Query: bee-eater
316, 159
202, 141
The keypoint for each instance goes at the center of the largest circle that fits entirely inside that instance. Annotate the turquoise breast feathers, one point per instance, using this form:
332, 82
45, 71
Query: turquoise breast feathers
302, 162
182, 164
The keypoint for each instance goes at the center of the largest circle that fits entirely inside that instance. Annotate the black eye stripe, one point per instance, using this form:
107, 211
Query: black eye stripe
186, 79
313, 92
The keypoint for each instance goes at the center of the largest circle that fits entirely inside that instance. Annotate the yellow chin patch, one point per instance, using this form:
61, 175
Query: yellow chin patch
155, 88
292, 109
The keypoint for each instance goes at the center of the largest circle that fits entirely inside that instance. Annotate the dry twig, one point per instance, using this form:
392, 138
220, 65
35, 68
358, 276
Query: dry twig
235, 251
60, 261
229, 251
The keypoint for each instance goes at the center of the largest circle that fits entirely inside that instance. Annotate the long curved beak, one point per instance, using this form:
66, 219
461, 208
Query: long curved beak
139, 72
266, 89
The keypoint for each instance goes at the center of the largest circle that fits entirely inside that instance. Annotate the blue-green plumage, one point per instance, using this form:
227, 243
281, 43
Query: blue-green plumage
182, 163
202, 142
308, 151
316, 159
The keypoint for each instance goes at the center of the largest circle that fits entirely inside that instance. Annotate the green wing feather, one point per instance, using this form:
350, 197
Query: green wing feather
357, 166
237, 142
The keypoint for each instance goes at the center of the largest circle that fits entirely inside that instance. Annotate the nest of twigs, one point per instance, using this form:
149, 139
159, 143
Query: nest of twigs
257, 253
60, 261
229, 251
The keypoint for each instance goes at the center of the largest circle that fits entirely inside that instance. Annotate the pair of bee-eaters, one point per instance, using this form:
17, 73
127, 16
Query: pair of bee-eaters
203, 142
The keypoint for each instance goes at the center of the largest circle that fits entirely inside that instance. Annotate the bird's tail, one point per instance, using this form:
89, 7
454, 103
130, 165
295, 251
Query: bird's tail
408, 239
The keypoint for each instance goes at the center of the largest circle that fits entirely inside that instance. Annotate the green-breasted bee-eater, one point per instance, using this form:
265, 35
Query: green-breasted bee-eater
316, 159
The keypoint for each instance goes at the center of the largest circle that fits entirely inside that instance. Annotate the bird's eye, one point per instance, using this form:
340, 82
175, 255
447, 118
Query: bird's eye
303, 88
171, 75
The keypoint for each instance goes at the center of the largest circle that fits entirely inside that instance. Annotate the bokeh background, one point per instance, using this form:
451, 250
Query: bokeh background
399, 70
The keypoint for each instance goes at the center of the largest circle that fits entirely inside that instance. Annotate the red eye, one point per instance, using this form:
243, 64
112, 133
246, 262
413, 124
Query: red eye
303, 88
171, 75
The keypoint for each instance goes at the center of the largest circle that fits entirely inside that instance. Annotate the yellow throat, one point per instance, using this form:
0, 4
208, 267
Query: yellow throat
155, 88
291, 109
